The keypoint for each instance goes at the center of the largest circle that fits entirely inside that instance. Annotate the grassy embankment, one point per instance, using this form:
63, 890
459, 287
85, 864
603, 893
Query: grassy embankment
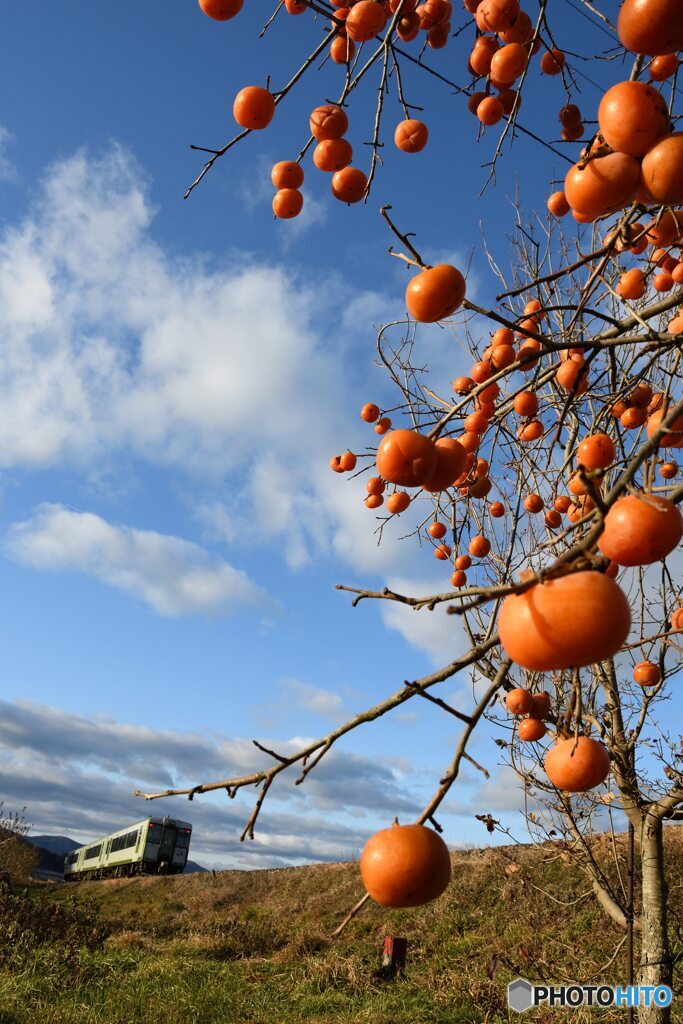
254, 947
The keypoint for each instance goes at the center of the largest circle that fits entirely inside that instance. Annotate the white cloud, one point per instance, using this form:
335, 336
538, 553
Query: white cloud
315, 699
436, 633
230, 372
172, 576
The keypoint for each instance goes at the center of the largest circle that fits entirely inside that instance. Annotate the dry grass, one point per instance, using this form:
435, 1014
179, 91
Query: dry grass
252, 947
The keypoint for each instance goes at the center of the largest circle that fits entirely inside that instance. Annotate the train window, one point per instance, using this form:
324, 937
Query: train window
93, 851
183, 841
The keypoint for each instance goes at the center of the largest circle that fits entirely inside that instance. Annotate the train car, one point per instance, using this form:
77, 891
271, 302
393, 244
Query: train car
154, 846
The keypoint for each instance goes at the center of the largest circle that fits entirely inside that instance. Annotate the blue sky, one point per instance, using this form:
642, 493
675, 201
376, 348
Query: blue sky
176, 376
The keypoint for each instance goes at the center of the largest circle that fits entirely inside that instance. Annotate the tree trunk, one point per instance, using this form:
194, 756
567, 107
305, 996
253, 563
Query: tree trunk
655, 955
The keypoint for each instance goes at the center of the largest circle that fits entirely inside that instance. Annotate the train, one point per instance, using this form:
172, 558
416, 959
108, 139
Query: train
154, 846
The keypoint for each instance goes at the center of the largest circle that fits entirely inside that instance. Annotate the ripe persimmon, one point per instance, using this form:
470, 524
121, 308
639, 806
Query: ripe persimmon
552, 62
526, 403
253, 107
479, 546
647, 674
369, 412
374, 500
463, 562
490, 111
332, 155
632, 117
558, 205
652, 27
349, 184
520, 31
497, 509
531, 729
476, 423
508, 98
375, 485
641, 529
567, 622
442, 552
662, 170
498, 15
519, 701
450, 462
576, 765
663, 67
509, 62
553, 518
631, 284
596, 451
481, 487
458, 578
530, 431
438, 35
673, 438
287, 174
397, 502
633, 418
572, 377
474, 100
342, 49
347, 461
406, 458
411, 135
328, 122
541, 705
221, 10
437, 530
383, 425
435, 293
366, 18
405, 866
603, 185
462, 385
287, 203
533, 503
668, 470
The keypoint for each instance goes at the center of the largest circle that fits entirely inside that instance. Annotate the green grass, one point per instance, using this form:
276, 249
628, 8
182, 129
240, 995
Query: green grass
255, 947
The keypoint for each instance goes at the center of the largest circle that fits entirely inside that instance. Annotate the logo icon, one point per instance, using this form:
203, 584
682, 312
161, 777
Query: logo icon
520, 995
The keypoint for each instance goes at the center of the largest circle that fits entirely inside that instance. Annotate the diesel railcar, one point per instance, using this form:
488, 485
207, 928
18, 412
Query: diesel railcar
154, 846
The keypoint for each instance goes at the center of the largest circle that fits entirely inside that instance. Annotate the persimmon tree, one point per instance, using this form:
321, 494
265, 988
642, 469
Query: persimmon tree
544, 480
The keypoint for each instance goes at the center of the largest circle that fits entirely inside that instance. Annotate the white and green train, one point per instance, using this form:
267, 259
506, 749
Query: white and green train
155, 846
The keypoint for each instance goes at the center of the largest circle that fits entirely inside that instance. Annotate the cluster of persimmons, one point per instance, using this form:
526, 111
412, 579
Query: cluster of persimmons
634, 163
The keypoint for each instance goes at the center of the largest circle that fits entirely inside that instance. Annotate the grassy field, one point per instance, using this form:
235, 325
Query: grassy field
254, 947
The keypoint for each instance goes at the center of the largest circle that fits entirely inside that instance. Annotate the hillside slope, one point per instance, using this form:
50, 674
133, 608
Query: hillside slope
255, 947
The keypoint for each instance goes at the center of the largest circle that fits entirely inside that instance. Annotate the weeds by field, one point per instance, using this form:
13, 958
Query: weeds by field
254, 947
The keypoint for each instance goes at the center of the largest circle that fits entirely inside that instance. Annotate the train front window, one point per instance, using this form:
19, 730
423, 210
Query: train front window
183, 841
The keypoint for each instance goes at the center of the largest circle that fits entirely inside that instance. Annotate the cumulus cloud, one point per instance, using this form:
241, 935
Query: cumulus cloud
438, 634
230, 372
172, 576
315, 699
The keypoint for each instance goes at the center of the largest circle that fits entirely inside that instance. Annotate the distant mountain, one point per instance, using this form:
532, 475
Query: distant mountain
55, 844
192, 866
53, 849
